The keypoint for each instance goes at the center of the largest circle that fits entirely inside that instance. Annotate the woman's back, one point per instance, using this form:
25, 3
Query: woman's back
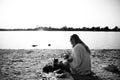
81, 60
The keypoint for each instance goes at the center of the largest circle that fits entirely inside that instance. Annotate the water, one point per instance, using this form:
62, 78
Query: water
57, 39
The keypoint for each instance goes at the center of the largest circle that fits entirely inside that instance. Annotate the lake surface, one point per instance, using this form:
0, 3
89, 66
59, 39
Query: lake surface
57, 39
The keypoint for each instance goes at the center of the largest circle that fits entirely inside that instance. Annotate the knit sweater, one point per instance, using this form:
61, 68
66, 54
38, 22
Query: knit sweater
81, 60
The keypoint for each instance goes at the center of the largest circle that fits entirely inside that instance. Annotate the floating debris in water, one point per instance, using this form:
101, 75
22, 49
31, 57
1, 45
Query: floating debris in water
49, 44
34, 45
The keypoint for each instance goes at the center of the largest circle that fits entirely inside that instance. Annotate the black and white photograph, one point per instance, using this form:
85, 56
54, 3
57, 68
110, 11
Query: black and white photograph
59, 39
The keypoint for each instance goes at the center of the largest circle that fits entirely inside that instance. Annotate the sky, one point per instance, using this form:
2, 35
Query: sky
59, 13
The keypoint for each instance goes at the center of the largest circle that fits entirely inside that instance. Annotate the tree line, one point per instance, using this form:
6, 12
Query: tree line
65, 28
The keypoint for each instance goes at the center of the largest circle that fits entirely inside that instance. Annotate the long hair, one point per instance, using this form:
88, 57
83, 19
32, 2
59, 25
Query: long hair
78, 40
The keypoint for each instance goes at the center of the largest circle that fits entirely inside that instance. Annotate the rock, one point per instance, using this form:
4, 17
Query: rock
112, 68
17, 60
17, 72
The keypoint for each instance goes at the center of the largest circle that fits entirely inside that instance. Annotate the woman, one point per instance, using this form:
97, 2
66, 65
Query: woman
80, 63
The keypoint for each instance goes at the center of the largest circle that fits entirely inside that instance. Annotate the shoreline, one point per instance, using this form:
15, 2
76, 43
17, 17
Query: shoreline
27, 64
55, 49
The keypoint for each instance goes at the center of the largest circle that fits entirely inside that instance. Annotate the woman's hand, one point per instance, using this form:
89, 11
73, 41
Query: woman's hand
70, 59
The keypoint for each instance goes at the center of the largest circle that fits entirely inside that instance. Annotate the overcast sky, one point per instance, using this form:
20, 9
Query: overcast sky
58, 13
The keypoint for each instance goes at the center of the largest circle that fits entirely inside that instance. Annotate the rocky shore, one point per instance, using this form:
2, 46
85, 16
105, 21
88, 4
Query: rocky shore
27, 64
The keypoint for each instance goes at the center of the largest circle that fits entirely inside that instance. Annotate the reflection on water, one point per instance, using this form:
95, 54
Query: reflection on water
57, 39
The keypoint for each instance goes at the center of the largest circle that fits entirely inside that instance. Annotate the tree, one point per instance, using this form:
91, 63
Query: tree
115, 28
106, 28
